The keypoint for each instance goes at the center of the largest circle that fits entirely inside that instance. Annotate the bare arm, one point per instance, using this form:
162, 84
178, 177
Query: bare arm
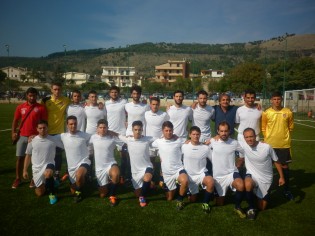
14, 127
27, 162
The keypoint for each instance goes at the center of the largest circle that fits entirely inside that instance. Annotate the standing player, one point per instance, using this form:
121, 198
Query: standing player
258, 160
179, 115
135, 111
27, 114
106, 168
141, 166
76, 147
154, 120
225, 112
202, 115
77, 109
195, 156
41, 152
171, 164
116, 116
56, 106
93, 113
225, 172
277, 125
248, 115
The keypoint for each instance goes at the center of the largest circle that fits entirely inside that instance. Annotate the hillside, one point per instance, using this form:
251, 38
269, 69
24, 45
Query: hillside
146, 55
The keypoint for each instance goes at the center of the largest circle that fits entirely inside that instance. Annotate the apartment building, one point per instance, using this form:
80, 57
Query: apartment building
215, 74
14, 73
172, 70
76, 77
121, 76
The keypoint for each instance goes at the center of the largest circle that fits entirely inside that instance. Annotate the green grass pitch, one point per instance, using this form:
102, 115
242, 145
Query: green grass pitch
22, 213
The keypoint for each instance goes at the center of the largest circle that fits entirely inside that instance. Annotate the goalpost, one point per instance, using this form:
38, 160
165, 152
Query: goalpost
301, 102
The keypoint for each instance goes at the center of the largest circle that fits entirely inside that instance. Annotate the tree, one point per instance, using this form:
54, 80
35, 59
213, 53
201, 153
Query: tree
2, 76
182, 84
152, 87
246, 75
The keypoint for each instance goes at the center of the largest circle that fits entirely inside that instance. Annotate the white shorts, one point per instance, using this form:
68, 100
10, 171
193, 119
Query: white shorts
72, 172
260, 189
38, 175
102, 176
194, 182
221, 184
137, 179
170, 180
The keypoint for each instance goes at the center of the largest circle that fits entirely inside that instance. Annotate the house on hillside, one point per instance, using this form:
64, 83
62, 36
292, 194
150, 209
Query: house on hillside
172, 70
212, 74
76, 78
121, 76
14, 73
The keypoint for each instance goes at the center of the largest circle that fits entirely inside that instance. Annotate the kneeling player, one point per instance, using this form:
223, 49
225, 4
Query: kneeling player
76, 147
141, 165
258, 161
195, 156
171, 164
41, 152
225, 172
106, 168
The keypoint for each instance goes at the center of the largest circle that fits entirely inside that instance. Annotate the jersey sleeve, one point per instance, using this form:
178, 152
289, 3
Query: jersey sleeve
123, 138
263, 123
272, 154
155, 144
240, 149
291, 123
58, 141
29, 149
237, 117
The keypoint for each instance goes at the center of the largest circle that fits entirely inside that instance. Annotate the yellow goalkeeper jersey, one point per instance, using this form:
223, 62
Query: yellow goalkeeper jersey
56, 109
277, 126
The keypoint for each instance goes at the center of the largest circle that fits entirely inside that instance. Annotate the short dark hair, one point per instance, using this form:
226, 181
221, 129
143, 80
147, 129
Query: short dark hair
224, 123
92, 92
276, 94
203, 92
137, 123
178, 91
31, 90
75, 91
42, 122
71, 118
136, 88
250, 91
114, 87
102, 122
194, 128
56, 83
249, 129
167, 124
154, 99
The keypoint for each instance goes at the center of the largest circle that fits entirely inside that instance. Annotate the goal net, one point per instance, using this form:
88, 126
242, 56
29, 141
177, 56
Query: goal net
301, 102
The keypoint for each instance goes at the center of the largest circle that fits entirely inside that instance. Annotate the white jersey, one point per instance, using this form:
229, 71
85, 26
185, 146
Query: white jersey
138, 152
76, 148
170, 155
154, 123
78, 111
43, 152
222, 156
195, 158
116, 115
258, 161
103, 147
135, 112
179, 117
93, 115
248, 118
202, 118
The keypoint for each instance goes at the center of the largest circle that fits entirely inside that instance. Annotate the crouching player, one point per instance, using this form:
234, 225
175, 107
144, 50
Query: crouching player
141, 165
106, 168
225, 172
171, 164
41, 152
76, 147
195, 156
258, 161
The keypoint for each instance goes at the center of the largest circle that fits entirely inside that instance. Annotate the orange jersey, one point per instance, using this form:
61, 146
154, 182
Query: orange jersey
277, 126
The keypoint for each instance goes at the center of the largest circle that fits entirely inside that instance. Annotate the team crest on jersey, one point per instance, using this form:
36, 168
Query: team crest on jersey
23, 111
36, 109
284, 115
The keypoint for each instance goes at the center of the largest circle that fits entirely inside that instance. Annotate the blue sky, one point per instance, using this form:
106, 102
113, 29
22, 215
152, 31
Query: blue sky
40, 27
